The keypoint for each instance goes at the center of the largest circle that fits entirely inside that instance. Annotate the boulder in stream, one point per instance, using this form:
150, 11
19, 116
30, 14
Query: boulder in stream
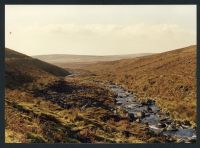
171, 128
138, 120
163, 118
119, 102
161, 125
192, 140
140, 114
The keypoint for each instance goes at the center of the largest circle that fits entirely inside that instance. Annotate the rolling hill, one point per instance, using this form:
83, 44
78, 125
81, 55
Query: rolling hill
44, 106
22, 69
169, 78
71, 61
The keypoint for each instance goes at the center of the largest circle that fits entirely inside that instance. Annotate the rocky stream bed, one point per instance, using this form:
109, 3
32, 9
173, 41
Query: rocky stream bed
148, 113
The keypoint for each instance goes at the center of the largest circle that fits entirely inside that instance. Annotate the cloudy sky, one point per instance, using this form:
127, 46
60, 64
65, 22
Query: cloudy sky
100, 29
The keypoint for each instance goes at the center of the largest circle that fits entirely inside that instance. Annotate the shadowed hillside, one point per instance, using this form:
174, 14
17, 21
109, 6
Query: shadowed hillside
22, 69
169, 78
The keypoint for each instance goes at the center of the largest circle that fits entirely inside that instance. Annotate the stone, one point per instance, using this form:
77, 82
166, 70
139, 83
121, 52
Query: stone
171, 128
192, 140
143, 103
158, 132
119, 103
178, 125
140, 114
187, 123
138, 120
168, 121
147, 114
180, 140
184, 126
130, 106
161, 125
163, 118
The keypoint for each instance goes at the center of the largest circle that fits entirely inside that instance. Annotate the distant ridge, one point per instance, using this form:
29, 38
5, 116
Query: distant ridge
70, 58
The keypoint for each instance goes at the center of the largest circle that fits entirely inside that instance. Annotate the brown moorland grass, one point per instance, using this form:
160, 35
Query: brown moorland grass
31, 119
42, 107
169, 78
21, 69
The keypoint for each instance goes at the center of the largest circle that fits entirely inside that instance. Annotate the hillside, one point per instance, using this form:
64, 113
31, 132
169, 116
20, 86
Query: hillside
169, 78
98, 103
43, 106
22, 69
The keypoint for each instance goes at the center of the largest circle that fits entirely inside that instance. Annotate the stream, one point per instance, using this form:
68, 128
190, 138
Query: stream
148, 113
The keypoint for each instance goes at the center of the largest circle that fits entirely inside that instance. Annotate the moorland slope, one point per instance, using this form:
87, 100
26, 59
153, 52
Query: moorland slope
43, 106
169, 78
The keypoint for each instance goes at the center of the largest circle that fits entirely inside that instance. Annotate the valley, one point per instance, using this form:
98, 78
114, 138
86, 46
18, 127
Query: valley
122, 101
100, 74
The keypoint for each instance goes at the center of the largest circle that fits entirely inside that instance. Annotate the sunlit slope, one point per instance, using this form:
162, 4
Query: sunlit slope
169, 78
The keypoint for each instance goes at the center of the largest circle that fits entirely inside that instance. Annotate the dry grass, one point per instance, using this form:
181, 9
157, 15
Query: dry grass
44, 108
169, 78
21, 69
36, 119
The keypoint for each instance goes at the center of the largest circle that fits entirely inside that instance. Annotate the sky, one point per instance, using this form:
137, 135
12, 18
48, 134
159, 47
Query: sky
99, 29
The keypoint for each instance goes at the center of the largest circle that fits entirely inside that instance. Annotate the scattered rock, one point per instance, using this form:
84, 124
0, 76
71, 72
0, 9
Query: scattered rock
180, 140
161, 125
171, 128
163, 119
138, 120
119, 102
140, 114
143, 103
178, 123
149, 109
187, 123
192, 140
168, 121
147, 114
184, 126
